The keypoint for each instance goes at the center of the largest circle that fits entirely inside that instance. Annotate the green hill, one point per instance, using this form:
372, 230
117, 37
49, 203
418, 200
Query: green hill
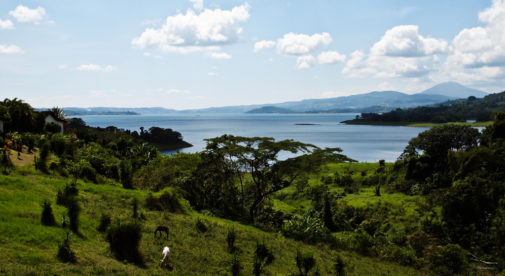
30, 248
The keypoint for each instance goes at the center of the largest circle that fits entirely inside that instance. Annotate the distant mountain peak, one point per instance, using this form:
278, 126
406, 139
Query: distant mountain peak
454, 90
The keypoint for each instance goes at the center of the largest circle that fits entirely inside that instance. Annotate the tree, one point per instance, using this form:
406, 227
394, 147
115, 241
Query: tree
259, 157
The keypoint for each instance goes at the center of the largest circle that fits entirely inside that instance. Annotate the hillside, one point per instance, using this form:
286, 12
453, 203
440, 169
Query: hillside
454, 90
480, 110
29, 247
270, 109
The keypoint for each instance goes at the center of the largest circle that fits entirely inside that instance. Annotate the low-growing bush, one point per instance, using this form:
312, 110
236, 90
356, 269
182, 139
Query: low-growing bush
47, 214
263, 256
65, 254
124, 240
305, 262
200, 226
235, 265
105, 221
231, 235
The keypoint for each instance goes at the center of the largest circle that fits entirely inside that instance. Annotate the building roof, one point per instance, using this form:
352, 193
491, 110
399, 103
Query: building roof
50, 113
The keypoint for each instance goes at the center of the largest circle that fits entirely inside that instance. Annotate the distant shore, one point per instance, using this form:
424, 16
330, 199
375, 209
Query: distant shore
415, 124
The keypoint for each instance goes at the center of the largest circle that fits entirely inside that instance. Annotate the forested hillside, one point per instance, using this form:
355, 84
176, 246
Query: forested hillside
452, 111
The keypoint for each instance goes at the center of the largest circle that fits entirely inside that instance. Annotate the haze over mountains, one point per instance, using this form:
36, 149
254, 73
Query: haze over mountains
376, 101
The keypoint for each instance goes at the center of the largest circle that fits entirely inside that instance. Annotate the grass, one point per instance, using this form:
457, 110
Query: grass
27, 247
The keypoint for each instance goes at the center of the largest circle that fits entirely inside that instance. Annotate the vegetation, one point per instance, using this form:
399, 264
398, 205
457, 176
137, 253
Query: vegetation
439, 209
480, 110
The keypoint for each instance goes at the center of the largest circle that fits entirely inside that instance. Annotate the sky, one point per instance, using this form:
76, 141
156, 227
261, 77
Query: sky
182, 54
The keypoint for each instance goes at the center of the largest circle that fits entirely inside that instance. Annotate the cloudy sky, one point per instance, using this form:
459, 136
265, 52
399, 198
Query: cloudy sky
191, 54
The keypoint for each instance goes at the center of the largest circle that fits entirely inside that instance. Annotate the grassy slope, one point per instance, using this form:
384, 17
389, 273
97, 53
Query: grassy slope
28, 247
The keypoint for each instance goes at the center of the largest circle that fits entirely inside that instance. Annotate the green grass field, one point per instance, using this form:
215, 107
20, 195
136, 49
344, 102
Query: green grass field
28, 247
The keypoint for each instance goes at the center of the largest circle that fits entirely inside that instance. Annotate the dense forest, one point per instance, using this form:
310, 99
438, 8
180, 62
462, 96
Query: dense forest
439, 209
472, 108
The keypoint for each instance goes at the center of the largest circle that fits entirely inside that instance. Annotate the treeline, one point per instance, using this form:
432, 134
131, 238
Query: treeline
451, 111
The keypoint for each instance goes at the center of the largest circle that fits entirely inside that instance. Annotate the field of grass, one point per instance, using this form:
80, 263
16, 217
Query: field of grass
28, 247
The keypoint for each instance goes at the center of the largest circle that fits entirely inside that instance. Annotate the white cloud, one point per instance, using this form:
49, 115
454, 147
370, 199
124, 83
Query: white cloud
330, 57
190, 32
305, 62
10, 49
197, 4
6, 24
401, 53
96, 67
219, 55
62, 66
405, 41
478, 54
302, 44
212, 74
25, 14
264, 44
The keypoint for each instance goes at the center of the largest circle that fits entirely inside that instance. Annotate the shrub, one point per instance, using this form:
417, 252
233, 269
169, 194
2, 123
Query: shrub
126, 173
262, 257
235, 265
447, 260
419, 241
135, 206
200, 226
47, 214
52, 128
104, 223
305, 262
5, 161
124, 240
73, 214
64, 196
308, 228
65, 254
230, 239
339, 266
57, 143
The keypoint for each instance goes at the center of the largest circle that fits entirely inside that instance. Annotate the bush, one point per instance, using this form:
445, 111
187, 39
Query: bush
305, 262
52, 128
124, 240
105, 221
168, 201
235, 265
73, 214
339, 266
262, 257
135, 206
65, 254
231, 235
126, 174
57, 144
47, 214
308, 228
448, 260
65, 196
200, 226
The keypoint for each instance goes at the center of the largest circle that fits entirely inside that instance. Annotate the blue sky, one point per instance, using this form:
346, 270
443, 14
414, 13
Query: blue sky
192, 54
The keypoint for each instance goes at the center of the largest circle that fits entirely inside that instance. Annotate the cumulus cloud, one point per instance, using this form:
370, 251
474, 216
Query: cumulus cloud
330, 57
302, 44
264, 44
6, 24
405, 41
219, 55
401, 52
305, 62
96, 67
25, 14
190, 32
10, 49
197, 4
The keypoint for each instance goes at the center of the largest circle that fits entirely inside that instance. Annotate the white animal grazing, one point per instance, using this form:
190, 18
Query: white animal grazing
166, 253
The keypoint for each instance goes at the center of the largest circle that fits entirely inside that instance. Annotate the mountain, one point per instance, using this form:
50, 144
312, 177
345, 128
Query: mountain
454, 90
270, 109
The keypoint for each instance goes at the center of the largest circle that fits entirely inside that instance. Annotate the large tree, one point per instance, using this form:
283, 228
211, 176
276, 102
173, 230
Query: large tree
259, 157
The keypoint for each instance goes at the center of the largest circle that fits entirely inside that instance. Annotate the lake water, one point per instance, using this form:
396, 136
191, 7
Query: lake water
360, 142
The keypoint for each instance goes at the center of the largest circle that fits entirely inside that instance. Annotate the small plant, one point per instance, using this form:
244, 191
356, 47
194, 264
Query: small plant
235, 265
201, 226
124, 240
378, 190
65, 254
104, 223
64, 222
73, 214
305, 262
230, 239
47, 214
339, 266
135, 205
65, 195
262, 257
126, 174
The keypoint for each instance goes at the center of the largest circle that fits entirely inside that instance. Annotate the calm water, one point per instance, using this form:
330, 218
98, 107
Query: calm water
363, 143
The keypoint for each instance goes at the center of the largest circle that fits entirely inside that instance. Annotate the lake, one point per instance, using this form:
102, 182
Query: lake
360, 142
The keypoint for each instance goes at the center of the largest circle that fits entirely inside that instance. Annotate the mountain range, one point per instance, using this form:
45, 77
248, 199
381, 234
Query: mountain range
376, 101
